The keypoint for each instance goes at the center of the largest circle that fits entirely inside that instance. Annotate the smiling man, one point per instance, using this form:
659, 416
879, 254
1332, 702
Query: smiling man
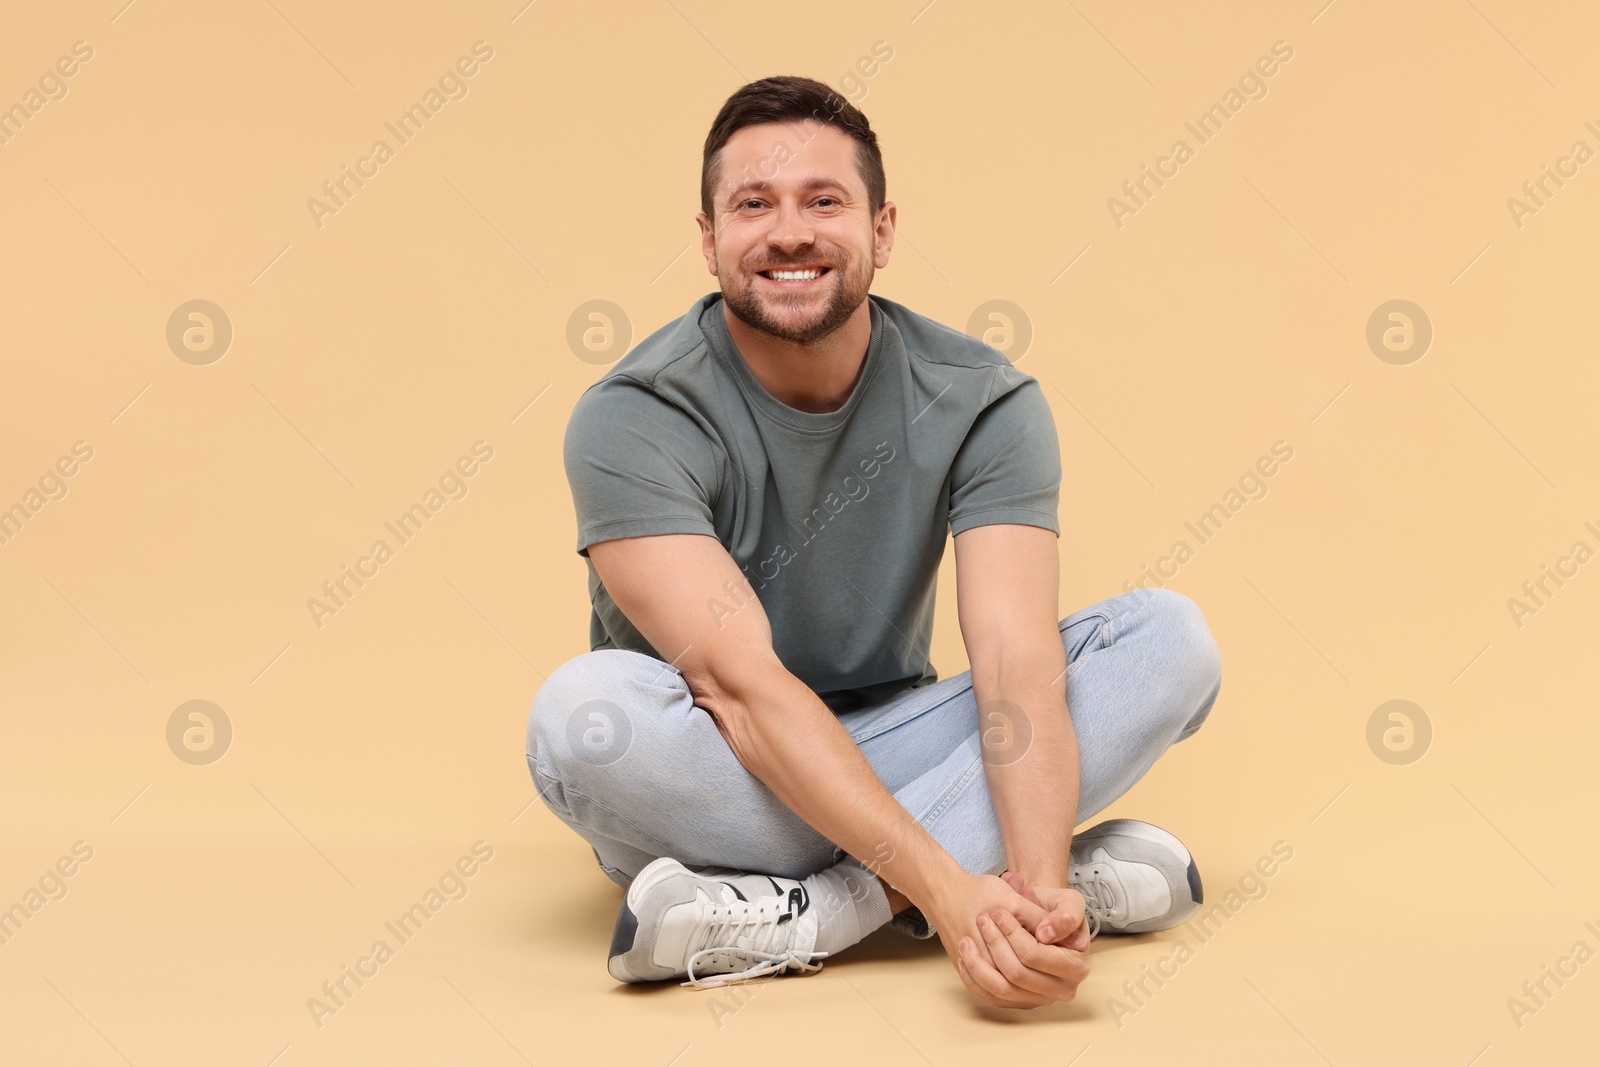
757, 745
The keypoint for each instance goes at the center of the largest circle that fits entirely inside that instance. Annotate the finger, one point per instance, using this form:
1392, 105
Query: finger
1029, 911
1060, 970
1063, 920
1055, 927
1049, 969
968, 951
1018, 975
993, 983
1028, 893
1016, 882
982, 994
989, 998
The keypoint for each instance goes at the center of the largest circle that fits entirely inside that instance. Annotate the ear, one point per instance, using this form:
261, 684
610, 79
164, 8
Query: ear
883, 235
708, 241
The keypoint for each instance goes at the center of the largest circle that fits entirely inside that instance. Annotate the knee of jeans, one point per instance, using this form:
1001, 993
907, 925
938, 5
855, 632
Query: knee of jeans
592, 706
1194, 653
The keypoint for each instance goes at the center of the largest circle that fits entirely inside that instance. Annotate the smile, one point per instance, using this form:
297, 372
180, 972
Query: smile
794, 278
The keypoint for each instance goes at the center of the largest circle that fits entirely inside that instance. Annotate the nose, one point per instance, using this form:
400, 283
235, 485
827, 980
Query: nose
791, 229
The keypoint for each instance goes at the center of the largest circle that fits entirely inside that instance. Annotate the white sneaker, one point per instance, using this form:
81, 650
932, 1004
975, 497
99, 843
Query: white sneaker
725, 924
1135, 878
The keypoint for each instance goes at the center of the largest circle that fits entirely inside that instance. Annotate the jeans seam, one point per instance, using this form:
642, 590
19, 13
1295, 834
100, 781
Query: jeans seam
542, 792
1061, 629
1103, 636
610, 871
950, 796
896, 722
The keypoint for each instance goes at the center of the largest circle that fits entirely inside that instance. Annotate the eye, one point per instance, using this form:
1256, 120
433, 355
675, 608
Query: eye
827, 199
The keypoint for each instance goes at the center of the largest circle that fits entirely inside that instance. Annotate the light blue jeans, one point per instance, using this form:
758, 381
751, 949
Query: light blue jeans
621, 754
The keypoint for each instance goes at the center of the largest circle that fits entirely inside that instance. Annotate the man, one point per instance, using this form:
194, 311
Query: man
757, 746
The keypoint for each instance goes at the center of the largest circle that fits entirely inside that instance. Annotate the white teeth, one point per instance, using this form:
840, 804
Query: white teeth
793, 275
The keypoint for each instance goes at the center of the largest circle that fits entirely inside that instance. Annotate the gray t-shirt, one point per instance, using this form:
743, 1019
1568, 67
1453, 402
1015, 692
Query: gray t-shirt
839, 519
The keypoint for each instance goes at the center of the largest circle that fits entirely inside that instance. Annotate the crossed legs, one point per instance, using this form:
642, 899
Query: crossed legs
620, 752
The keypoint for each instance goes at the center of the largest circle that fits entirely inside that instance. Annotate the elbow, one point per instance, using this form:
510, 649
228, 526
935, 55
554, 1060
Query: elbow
736, 691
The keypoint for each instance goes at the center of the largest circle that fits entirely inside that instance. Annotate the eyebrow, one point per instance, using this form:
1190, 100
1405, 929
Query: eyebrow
761, 185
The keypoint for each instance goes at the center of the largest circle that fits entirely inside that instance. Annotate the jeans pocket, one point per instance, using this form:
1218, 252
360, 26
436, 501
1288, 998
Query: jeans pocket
1082, 636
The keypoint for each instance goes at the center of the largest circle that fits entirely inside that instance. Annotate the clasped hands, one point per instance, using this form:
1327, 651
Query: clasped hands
1014, 945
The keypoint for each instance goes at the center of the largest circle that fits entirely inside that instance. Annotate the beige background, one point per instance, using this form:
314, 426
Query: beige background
431, 311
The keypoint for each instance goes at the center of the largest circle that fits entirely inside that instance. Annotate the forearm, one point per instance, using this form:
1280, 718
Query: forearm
1034, 788
785, 736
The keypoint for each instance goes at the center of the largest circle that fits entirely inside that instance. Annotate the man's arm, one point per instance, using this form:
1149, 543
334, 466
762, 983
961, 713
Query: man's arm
1007, 580
782, 732
672, 587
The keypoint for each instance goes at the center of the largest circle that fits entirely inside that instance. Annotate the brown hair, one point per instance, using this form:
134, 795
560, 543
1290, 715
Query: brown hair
786, 98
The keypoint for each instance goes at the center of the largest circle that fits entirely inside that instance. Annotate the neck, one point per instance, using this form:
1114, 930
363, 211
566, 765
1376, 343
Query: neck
816, 378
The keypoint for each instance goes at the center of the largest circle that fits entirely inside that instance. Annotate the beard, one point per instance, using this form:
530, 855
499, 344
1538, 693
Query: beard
773, 312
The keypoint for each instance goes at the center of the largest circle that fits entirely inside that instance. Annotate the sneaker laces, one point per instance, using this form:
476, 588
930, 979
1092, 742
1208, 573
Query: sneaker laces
726, 927
1099, 898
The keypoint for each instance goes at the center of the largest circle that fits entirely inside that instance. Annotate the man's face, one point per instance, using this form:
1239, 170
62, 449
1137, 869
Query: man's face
788, 198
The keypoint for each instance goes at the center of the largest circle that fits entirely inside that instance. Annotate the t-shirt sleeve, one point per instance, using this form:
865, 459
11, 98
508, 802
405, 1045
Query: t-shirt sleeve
1008, 469
637, 465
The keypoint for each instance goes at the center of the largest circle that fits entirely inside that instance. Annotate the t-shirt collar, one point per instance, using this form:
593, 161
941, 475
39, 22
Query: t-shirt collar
715, 329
